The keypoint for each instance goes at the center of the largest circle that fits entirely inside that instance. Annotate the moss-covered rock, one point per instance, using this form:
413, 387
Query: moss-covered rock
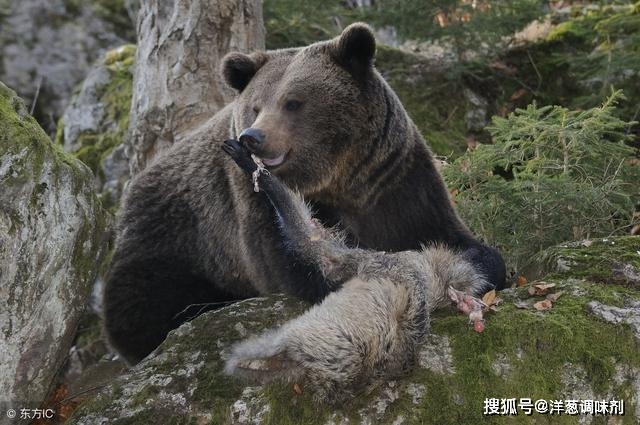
51, 241
94, 125
586, 347
607, 260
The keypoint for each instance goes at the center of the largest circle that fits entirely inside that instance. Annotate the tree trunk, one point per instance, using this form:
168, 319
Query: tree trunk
177, 81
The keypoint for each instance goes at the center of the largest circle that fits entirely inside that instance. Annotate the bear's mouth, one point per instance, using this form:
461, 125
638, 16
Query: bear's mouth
274, 162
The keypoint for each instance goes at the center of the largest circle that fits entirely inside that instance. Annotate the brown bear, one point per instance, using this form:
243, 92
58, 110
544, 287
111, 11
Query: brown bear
193, 235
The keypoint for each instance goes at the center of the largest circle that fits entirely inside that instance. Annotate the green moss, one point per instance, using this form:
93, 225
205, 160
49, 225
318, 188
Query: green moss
120, 59
26, 148
577, 30
537, 346
209, 391
621, 24
148, 417
95, 146
599, 260
59, 137
145, 394
289, 408
86, 262
20, 132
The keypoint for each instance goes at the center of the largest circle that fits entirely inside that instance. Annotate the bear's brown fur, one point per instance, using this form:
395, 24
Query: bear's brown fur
193, 234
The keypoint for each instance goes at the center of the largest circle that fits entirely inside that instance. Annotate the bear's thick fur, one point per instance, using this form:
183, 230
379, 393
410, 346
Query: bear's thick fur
193, 234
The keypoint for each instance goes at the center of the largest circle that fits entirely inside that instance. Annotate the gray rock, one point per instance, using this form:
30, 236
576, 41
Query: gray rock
436, 355
629, 314
477, 111
561, 354
86, 110
97, 119
179, 376
607, 260
132, 6
577, 387
49, 45
626, 375
51, 242
115, 174
501, 366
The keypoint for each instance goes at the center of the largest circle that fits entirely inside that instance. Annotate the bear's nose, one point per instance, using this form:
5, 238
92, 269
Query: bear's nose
252, 138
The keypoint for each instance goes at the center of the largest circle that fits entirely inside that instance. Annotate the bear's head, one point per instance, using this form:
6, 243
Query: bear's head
308, 112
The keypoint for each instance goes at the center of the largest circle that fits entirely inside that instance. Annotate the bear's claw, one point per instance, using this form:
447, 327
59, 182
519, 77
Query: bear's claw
256, 174
240, 154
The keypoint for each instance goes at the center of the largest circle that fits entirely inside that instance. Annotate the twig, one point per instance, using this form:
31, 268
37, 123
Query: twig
88, 390
35, 98
202, 307
535, 68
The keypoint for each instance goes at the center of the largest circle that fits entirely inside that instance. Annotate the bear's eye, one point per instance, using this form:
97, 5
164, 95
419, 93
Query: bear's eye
292, 105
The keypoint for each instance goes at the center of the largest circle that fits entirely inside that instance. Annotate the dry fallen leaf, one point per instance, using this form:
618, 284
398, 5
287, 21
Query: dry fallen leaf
297, 389
543, 305
521, 281
489, 297
522, 304
554, 297
540, 289
501, 66
62, 404
587, 243
472, 143
491, 301
518, 94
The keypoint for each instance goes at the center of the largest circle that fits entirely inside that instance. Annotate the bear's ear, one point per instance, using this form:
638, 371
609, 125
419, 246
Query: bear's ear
238, 69
355, 49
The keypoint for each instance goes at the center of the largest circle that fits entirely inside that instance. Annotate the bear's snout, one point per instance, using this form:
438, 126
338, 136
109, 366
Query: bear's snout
252, 138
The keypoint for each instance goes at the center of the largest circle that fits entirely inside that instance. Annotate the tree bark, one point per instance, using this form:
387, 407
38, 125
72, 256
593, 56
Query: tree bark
177, 81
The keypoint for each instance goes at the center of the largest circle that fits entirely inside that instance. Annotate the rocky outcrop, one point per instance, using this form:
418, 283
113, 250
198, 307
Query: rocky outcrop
177, 82
582, 345
47, 47
51, 243
95, 123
